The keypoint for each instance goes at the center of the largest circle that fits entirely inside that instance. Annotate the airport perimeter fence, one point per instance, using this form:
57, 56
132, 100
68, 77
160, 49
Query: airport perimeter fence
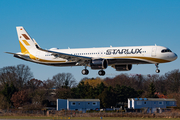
69, 113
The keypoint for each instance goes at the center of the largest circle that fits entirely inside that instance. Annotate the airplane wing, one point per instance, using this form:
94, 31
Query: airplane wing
81, 60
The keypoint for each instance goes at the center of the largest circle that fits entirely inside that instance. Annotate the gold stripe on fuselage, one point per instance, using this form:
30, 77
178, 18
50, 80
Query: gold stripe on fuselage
45, 61
156, 60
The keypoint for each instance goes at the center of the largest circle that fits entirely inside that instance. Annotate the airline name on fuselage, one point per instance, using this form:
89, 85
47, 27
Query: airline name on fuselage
123, 51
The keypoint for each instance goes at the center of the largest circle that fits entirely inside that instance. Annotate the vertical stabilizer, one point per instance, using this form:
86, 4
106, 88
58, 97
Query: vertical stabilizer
26, 43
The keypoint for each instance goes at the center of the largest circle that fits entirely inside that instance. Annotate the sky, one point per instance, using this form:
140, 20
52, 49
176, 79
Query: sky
87, 24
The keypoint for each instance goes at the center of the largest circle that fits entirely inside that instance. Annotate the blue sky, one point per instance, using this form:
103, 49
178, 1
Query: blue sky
87, 24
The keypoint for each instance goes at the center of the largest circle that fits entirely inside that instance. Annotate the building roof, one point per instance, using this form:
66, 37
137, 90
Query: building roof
160, 95
151, 99
83, 100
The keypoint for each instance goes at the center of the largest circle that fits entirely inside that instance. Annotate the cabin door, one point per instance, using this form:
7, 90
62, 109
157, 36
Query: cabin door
153, 53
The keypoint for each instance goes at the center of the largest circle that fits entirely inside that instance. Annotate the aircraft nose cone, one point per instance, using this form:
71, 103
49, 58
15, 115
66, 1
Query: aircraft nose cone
175, 56
172, 56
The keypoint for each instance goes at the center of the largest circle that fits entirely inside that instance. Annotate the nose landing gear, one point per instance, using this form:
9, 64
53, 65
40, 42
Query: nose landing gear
157, 66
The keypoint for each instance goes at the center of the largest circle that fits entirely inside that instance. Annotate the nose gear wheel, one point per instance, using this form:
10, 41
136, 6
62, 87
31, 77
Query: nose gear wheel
157, 66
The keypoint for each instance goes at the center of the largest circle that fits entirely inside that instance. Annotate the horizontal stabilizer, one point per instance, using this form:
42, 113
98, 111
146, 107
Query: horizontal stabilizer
26, 55
10, 53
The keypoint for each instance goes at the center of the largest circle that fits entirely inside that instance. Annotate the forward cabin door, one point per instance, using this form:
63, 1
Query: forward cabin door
153, 53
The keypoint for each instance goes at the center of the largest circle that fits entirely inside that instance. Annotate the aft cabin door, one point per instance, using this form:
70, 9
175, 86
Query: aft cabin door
153, 53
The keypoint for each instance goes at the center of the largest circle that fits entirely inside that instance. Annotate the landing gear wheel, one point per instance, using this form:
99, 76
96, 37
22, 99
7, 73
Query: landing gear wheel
157, 71
101, 72
85, 72
157, 66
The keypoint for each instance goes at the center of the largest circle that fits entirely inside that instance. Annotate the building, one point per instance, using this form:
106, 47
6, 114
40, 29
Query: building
78, 104
151, 104
160, 95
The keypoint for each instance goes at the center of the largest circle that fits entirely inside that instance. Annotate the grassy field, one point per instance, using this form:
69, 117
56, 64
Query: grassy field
83, 118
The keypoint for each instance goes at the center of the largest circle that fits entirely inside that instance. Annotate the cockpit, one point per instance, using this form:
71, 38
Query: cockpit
166, 50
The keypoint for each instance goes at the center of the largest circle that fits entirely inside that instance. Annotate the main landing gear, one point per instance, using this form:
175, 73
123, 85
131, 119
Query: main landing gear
101, 73
157, 66
86, 72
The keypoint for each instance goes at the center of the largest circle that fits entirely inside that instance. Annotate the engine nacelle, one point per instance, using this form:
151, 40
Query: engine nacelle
99, 64
123, 67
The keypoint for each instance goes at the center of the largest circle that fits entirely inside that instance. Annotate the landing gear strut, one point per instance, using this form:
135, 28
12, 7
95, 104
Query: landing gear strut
101, 73
157, 66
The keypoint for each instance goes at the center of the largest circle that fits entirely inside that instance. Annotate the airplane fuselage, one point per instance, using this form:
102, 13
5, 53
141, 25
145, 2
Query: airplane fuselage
114, 55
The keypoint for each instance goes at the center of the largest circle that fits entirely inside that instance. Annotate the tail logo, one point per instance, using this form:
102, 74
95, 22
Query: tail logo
25, 36
25, 42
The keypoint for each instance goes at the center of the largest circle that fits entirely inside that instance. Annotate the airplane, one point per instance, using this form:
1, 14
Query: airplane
120, 58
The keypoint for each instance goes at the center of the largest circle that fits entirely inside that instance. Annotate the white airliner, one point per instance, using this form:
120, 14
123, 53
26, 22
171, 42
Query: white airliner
120, 58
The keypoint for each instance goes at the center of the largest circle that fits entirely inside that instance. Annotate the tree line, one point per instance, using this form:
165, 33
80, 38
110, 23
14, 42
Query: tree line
18, 88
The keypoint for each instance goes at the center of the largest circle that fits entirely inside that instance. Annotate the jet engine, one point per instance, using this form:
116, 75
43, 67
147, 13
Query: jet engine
99, 64
123, 67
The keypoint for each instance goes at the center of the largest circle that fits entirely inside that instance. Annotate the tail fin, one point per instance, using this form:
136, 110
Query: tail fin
26, 43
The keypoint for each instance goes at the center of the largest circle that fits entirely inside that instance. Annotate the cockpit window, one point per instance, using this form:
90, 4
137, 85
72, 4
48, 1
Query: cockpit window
166, 50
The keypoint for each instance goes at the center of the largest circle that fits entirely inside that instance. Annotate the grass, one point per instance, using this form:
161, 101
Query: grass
25, 117
83, 118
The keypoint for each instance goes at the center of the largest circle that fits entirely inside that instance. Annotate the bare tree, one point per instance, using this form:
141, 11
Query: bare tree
8, 75
23, 75
161, 84
34, 84
18, 75
48, 84
64, 80
173, 80
137, 82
